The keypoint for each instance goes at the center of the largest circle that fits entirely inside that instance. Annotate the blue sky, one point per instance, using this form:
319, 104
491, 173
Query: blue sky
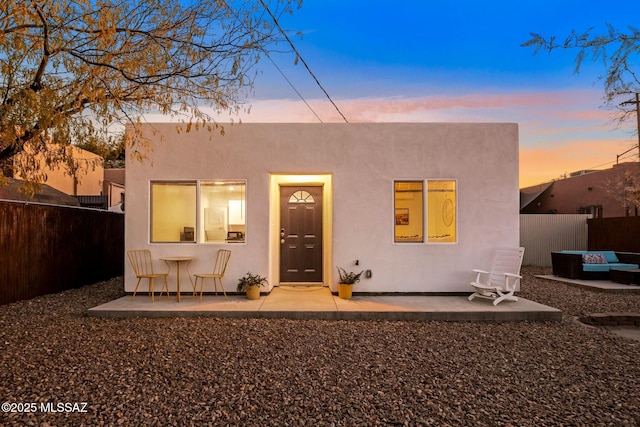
439, 61
434, 46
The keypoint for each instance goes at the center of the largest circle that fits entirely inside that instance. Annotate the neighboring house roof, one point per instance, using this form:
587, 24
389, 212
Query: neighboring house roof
115, 175
603, 193
526, 198
47, 194
113, 179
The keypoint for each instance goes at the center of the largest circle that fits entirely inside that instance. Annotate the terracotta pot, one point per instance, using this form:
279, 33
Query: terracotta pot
253, 292
345, 290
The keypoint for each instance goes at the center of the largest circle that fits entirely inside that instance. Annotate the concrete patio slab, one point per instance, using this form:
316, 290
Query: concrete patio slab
596, 285
320, 303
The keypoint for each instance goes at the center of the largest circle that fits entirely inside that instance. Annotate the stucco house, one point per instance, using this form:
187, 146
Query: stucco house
86, 181
606, 193
113, 188
415, 205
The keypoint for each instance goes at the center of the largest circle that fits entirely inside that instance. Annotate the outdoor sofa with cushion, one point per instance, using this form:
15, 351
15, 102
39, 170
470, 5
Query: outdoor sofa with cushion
591, 264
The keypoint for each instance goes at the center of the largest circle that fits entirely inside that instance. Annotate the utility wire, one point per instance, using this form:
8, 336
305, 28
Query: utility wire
276, 65
597, 167
302, 59
294, 88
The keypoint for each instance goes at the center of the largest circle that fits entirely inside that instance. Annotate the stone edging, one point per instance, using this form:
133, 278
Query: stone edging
611, 319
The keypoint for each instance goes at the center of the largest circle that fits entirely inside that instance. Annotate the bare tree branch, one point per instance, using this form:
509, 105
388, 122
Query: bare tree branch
618, 50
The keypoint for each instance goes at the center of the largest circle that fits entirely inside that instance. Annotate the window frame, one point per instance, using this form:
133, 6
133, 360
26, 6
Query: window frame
395, 213
151, 204
425, 212
199, 226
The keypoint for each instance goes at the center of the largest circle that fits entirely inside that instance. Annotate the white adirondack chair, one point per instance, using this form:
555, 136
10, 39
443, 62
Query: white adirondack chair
502, 281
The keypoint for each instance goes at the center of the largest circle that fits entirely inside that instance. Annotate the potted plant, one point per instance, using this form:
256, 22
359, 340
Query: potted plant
346, 282
251, 283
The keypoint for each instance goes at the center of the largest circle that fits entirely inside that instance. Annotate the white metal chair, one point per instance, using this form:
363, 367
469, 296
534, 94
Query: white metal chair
502, 281
219, 268
143, 268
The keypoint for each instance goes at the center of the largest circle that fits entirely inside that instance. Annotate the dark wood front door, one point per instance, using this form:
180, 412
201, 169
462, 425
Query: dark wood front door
300, 234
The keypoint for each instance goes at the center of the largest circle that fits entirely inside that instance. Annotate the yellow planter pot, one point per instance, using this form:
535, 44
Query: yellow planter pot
253, 292
345, 290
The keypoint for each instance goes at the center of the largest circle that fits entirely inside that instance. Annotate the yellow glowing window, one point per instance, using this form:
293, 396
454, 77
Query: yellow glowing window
223, 211
441, 211
212, 211
173, 211
409, 211
301, 196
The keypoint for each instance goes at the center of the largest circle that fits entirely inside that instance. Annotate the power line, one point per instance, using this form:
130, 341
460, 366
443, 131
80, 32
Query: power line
276, 65
302, 59
618, 158
293, 87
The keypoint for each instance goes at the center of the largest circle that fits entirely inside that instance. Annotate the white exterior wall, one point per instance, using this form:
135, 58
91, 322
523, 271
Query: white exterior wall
363, 161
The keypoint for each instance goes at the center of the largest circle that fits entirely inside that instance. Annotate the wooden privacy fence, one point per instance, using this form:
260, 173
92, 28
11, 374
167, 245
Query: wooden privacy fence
46, 249
616, 234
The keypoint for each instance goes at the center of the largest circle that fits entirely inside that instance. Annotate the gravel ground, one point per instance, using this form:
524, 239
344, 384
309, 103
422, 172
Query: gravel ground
182, 372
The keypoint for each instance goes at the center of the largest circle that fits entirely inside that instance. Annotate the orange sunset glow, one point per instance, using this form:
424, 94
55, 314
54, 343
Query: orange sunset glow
560, 132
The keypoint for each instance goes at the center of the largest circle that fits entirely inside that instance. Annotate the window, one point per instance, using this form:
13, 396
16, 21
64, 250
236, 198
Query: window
409, 211
301, 196
173, 211
223, 211
595, 211
198, 211
441, 211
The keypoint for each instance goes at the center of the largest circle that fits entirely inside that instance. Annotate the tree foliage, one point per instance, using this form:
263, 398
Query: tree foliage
619, 52
625, 188
67, 63
109, 146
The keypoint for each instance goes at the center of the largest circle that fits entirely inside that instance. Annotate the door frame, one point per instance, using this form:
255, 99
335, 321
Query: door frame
278, 180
